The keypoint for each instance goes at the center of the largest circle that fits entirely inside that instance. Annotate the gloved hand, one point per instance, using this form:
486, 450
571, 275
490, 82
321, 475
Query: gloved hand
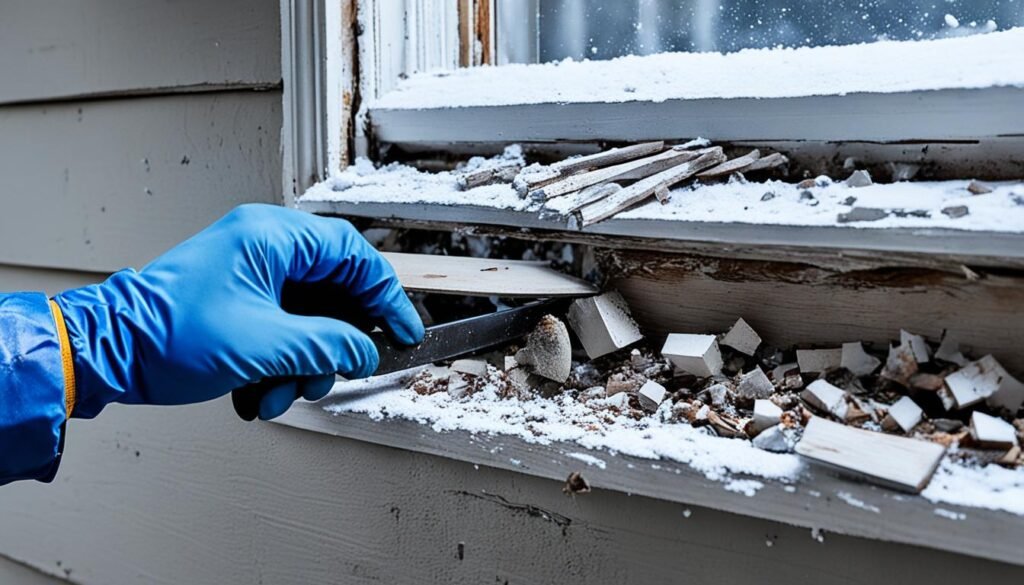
266, 296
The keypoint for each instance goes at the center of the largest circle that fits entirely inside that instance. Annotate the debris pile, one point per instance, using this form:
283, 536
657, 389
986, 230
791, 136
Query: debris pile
605, 183
884, 414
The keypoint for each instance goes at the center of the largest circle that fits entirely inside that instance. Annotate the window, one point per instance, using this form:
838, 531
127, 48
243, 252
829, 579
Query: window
603, 29
938, 92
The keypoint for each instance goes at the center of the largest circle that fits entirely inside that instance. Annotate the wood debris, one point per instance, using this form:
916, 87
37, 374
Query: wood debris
900, 365
647, 165
742, 338
900, 463
904, 415
575, 484
990, 432
766, 414
473, 367
772, 161
731, 166
858, 361
975, 382
826, 398
754, 385
813, 361
606, 158
603, 324
651, 395
696, 354
644, 188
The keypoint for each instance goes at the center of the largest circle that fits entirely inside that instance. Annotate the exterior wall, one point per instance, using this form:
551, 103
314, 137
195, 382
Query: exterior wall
194, 495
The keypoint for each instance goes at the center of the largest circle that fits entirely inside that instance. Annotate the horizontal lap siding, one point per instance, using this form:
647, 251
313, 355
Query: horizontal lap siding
54, 50
103, 184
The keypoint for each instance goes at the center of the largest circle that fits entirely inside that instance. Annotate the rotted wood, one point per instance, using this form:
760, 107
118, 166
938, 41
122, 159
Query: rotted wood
789, 302
835, 260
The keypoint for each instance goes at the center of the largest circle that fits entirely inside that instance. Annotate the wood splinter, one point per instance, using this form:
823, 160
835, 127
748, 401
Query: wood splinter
644, 188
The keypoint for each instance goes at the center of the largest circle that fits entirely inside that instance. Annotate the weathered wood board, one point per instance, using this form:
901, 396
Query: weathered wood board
59, 50
484, 277
788, 303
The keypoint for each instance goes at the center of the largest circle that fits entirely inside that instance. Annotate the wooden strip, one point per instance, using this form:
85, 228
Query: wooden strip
772, 161
608, 157
484, 277
896, 462
648, 165
644, 188
731, 166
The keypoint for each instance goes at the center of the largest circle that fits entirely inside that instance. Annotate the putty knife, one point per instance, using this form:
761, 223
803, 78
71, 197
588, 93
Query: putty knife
441, 342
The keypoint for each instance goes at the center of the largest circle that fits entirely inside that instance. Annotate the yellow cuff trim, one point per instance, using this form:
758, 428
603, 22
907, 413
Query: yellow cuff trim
65, 359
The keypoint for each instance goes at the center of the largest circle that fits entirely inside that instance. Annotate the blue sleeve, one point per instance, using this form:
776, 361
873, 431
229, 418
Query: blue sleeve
32, 392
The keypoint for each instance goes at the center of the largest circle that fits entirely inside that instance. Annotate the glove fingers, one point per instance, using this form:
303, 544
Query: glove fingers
318, 346
277, 400
332, 250
314, 388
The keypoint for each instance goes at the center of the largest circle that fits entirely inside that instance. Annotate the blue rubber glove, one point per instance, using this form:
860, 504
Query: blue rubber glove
265, 297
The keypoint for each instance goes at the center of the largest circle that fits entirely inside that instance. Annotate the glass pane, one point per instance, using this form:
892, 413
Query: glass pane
604, 29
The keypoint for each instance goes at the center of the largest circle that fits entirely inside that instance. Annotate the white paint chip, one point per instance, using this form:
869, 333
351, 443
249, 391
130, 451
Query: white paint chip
858, 361
974, 382
766, 415
812, 361
603, 324
742, 338
918, 346
826, 398
949, 350
992, 432
651, 395
472, 366
904, 415
693, 353
755, 384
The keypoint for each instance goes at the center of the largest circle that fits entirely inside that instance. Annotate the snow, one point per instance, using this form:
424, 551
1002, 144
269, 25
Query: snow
588, 459
747, 487
857, 503
991, 487
563, 419
908, 204
977, 61
949, 514
733, 462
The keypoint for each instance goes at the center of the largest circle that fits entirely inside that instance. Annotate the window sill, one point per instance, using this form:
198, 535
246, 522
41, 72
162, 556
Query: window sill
817, 500
965, 88
728, 225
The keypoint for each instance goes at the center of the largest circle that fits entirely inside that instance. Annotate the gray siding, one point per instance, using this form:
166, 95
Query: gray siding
51, 49
103, 184
194, 495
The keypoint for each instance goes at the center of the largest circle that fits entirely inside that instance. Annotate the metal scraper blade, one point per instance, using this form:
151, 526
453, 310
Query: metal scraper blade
466, 336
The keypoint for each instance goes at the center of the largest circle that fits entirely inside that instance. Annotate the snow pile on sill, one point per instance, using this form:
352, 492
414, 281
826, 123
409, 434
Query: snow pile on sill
911, 204
563, 419
979, 61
